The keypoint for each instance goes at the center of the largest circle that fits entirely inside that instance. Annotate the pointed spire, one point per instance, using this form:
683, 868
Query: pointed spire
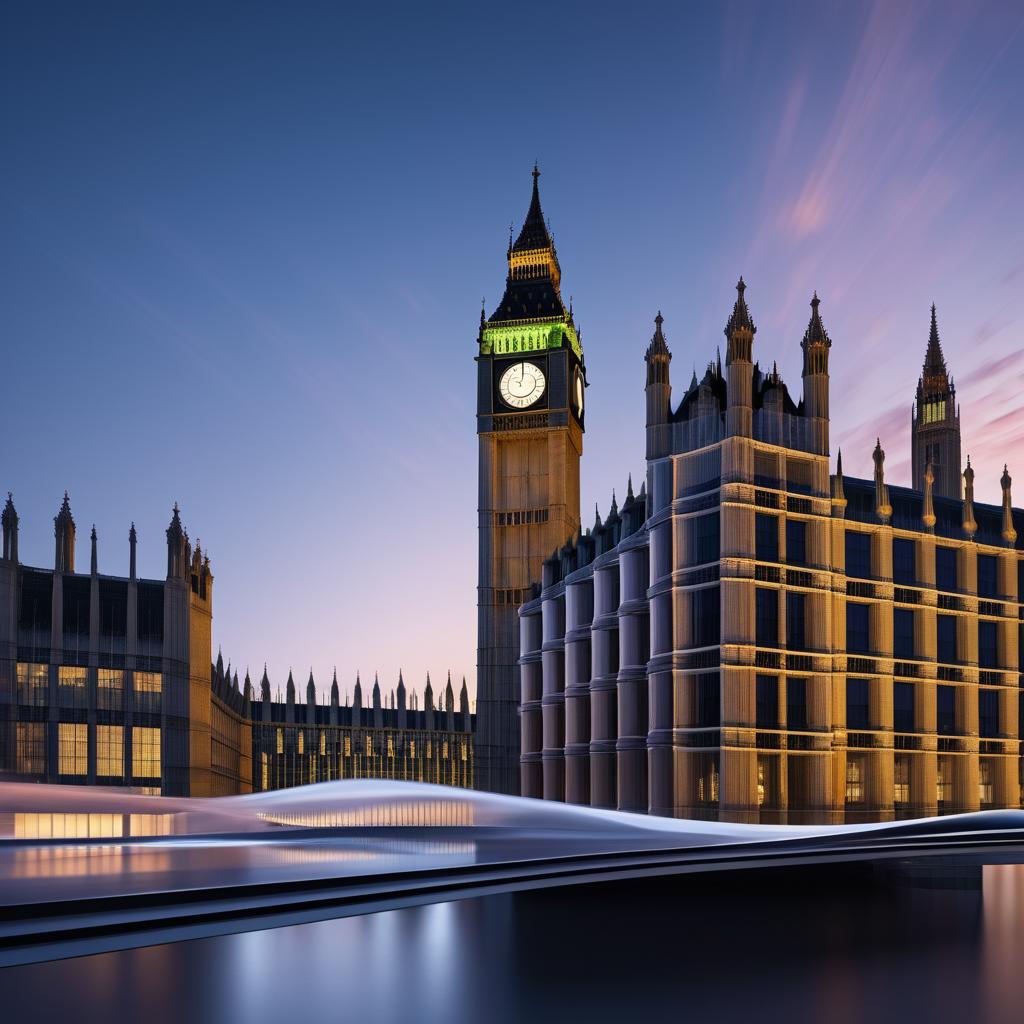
464, 698
93, 559
449, 694
265, 688
882, 507
132, 544
934, 361
815, 333
597, 518
970, 524
64, 535
927, 502
177, 547
310, 689
534, 233
376, 691
629, 488
838, 492
9, 518
1009, 531
220, 663
290, 688
740, 318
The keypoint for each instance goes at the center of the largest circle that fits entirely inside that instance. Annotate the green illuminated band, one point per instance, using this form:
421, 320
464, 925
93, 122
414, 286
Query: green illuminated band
506, 341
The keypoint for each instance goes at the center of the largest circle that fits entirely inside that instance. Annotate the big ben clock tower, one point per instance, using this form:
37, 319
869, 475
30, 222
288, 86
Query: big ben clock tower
530, 383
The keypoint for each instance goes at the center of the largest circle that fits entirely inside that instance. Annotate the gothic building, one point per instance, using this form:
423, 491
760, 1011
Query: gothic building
109, 681
755, 638
530, 385
935, 432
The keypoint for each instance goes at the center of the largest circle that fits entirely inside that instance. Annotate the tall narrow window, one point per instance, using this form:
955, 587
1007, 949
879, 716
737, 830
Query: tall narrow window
858, 637
945, 701
795, 619
708, 706
903, 707
767, 611
943, 782
73, 748
110, 690
854, 780
857, 708
945, 627
903, 632
988, 713
766, 537
904, 571
796, 703
858, 554
988, 646
901, 779
796, 542
985, 791
148, 691
145, 752
704, 605
109, 751
767, 702
33, 684
31, 748
987, 586
945, 568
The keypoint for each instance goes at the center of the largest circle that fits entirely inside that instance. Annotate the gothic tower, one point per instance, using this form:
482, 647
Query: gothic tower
936, 423
530, 383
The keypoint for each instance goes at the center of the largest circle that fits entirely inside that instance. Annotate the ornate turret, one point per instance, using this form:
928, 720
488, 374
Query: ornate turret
936, 421
177, 548
927, 504
739, 333
64, 535
9, 518
882, 507
1009, 531
659, 393
816, 344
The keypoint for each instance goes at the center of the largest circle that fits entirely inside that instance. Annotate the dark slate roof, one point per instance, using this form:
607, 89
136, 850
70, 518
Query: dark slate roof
536, 299
534, 233
713, 379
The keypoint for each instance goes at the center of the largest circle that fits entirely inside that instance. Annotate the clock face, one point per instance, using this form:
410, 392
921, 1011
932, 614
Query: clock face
579, 392
521, 385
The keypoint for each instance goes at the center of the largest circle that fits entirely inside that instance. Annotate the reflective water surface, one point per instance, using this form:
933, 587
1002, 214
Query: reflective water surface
835, 944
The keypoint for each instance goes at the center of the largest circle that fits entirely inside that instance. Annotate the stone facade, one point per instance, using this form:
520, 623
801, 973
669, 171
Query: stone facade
754, 638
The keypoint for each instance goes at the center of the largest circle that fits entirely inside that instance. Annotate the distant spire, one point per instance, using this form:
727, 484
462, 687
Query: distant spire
132, 543
464, 698
614, 510
290, 688
740, 318
597, 518
838, 493
970, 524
310, 688
934, 360
629, 488
93, 560
64, 534
1009, 531
9, 518
882, 507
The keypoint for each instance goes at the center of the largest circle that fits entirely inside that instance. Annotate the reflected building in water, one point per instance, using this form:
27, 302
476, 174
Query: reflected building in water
754, 637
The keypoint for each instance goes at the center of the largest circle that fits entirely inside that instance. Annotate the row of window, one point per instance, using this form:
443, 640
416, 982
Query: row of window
859, 561
73, 750
370, 749
33, 687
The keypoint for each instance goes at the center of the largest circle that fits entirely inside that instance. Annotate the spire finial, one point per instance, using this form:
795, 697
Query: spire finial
536, 173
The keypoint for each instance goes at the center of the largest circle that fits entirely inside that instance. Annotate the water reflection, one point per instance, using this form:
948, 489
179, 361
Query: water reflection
840, 945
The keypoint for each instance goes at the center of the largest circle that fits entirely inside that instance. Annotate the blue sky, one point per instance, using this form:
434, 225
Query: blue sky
243, 248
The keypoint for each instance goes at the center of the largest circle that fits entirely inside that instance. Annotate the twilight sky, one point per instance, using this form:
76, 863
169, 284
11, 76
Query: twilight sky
242, 252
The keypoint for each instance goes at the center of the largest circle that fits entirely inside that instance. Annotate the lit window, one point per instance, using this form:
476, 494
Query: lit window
348, 746
444, 750
145, 752
148, 689
985, 782
943, 785
854, 781
280, 741
391, 746
901, 780
73, 748
369, 746
33, 684
71, 682
302, 742
323, 742
412, 749
264, 771
109, 750
31, 753
109, 690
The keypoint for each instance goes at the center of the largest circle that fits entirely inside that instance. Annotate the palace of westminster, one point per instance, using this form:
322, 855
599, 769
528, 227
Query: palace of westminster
749, 637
